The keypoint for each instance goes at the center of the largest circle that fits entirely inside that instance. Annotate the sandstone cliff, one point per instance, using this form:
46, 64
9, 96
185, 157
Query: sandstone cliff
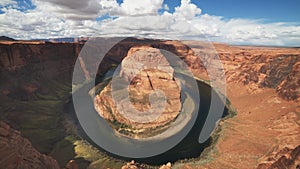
17, 152
259, 68
53, 59
285, 158
254, 67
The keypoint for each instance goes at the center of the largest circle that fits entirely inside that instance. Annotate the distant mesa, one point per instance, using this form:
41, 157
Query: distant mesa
66, 40
53, 40
5, 38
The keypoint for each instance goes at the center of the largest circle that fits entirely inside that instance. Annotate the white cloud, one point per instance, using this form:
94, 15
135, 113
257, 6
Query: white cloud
186, 10
138, 8
166, 7
40, 24
54, 18
108, 6
243, 31
74, 10
7, 2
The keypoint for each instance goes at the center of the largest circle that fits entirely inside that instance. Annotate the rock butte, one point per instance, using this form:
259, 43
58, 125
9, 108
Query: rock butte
145, 69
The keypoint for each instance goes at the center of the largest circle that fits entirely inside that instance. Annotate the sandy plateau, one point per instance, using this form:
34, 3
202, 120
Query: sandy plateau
265, 133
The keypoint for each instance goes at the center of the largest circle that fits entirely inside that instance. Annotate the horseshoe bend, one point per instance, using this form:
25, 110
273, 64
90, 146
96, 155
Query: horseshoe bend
259, 127
146, 70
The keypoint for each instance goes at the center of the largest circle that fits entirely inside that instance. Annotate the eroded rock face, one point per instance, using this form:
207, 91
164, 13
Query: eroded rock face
286, 152
260, 67
17, 152
134, 165
289, 88
285, 158
146, 70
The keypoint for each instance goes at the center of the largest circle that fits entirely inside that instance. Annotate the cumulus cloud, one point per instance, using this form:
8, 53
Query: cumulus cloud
91, 9
243, 31
40, 24
137, 8
55, 18
186, 10
76, 10
149, 22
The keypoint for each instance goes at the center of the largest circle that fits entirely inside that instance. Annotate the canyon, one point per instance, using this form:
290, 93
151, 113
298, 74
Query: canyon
262, 85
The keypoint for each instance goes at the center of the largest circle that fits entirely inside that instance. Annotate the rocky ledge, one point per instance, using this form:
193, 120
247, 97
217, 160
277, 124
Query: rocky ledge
147, 108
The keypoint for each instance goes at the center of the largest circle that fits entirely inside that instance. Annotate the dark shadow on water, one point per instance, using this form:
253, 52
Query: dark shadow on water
189, 147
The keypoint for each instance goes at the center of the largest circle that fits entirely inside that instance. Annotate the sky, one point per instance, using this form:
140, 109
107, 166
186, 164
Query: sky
244, 22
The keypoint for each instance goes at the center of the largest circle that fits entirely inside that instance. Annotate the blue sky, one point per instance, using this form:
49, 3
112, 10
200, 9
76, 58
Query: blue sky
272, 22
270, 10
